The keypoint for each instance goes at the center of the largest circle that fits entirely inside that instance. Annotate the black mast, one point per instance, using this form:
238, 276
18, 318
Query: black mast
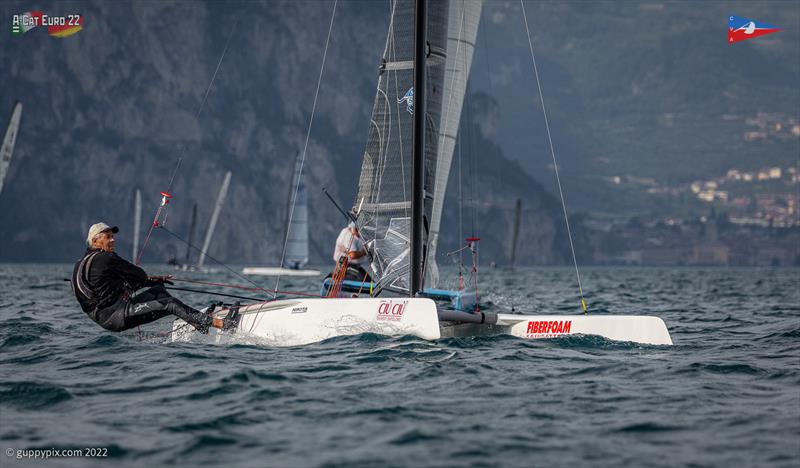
515, 233
192, 225
417, 166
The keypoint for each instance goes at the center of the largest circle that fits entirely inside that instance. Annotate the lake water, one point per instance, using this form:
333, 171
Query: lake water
726, 394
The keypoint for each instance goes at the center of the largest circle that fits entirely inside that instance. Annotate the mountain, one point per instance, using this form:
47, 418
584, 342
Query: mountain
112, 108
646, 89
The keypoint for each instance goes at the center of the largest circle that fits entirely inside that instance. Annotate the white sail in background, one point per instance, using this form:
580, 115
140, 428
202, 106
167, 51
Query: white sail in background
137, 222
223, 192
297, 230
9, 140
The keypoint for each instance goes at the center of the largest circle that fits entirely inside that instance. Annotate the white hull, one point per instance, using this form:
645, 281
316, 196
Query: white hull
277, 271
305, 321
629, 328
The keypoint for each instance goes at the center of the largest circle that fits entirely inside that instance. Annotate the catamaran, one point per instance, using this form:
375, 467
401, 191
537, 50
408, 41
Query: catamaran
405, 167
296, 234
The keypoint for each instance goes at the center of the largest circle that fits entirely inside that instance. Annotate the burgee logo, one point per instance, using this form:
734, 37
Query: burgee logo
741, 29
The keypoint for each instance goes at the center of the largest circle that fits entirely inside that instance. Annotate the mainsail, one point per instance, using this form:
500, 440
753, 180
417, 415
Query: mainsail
297, 230
8, 142
383, 203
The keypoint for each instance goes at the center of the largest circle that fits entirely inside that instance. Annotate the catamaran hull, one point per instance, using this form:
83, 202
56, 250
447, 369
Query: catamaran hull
630, 328
277, 271
304, 321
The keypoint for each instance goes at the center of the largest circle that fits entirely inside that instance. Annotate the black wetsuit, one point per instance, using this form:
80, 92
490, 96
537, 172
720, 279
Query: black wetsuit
104, 285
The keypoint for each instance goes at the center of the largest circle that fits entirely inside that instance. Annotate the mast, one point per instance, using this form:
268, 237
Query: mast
137, 222
8, 142
290, 198
223, 191
515, 233
417, 167
192, 226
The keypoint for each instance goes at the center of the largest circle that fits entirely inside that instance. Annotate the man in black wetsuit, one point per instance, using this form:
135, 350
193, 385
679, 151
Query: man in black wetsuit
105, 286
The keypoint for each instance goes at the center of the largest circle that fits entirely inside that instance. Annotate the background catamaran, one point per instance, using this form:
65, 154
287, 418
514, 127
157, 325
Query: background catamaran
296, 233
404, 173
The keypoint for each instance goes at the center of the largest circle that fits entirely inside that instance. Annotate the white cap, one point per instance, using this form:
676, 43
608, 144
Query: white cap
97, 229
352, 225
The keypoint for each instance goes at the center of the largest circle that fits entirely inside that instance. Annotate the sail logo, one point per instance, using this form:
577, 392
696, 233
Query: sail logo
391, 311
548, 328
741, 29
409, 99
57, 26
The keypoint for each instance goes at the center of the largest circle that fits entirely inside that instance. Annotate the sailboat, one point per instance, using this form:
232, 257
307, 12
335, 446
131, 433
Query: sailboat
402, 233
10, 138
212, 225
296, 234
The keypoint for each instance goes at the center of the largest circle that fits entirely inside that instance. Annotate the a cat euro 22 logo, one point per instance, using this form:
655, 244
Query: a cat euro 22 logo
741, 29
57, 26
391, 310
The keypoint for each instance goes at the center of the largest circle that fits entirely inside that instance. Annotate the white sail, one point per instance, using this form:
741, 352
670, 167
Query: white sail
9, 140
137, 222
223, 192
297, 228
462, 31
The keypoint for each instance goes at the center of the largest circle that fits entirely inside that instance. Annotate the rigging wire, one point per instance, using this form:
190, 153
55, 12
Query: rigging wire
235, 273
553, 154
166, 193
308, 135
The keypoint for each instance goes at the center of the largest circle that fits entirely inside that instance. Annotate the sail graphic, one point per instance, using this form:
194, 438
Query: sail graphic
383, 202
7, 150
297, 230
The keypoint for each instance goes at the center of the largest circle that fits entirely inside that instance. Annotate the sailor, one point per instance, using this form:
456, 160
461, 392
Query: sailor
350, 244
105, 286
